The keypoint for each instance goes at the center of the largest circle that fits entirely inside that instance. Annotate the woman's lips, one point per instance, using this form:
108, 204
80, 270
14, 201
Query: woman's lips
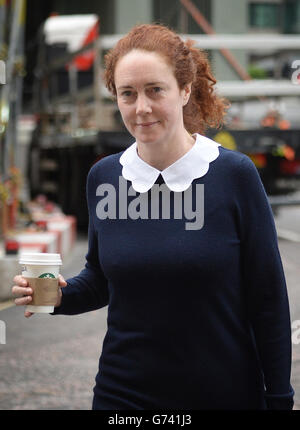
147, 124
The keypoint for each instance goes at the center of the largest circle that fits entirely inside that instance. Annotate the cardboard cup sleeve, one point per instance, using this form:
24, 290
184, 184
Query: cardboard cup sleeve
44, 291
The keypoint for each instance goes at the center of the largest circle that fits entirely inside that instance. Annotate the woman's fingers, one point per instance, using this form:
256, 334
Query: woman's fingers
21, 291
61, 281
23, 301
28, 314
21, 288
19, 280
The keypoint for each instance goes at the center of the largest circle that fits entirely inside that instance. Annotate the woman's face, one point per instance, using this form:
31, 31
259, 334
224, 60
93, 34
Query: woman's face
149, 98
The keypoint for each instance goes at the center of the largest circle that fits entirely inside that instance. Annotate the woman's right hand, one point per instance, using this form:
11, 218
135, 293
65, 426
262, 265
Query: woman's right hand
23, 292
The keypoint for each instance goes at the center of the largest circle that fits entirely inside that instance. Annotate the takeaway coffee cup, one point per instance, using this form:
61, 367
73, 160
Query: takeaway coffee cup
41, 270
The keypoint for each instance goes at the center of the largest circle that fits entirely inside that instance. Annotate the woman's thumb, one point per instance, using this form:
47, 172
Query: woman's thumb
61, 281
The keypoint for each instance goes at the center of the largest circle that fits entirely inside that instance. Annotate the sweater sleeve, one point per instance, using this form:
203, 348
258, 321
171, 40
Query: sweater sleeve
87, 291
265, 287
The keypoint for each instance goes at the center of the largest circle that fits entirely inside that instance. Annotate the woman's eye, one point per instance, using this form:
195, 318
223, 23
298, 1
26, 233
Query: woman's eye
127, 93
128, 96
156, 89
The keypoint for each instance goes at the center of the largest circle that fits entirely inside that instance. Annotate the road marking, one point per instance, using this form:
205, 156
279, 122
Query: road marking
288, 235
7, 304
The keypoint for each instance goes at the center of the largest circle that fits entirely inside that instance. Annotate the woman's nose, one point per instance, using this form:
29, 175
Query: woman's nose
142, 105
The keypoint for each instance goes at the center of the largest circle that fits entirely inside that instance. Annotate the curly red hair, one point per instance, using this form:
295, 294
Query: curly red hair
205, 108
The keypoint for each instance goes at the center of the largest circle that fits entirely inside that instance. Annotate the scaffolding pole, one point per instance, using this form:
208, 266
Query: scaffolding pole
11, 92
208, 29
2, 58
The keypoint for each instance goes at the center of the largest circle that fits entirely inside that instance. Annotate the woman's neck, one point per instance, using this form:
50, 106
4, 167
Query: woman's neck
162, 155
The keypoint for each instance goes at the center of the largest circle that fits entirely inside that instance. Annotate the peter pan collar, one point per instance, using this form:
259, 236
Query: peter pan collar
179, 175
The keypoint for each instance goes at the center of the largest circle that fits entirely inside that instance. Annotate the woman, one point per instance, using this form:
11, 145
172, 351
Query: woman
198, 314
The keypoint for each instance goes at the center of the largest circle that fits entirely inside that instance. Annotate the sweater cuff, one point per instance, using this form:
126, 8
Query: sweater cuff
280, 401
59, 310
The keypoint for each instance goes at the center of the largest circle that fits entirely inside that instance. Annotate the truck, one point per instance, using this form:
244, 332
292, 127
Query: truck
78, 122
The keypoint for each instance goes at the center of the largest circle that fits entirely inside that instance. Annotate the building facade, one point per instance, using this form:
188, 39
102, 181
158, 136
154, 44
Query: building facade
225, 16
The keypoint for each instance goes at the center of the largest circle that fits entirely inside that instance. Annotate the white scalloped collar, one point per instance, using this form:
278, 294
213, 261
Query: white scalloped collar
179, 175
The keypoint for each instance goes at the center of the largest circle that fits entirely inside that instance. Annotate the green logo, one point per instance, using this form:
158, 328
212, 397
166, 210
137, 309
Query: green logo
47, 275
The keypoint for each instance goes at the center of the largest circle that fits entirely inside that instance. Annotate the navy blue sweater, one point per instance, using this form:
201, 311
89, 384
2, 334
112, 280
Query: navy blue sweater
197, 319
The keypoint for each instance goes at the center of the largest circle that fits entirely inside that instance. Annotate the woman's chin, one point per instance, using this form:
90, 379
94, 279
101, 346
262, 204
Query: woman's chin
148, 138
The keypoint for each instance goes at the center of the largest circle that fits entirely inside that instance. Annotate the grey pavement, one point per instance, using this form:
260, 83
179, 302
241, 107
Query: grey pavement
288, 226
50, 362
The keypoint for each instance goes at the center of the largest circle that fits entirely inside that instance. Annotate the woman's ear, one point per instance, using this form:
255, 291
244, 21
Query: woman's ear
186, 92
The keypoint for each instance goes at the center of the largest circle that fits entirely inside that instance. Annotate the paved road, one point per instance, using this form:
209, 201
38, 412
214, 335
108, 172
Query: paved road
50, 362
288, 228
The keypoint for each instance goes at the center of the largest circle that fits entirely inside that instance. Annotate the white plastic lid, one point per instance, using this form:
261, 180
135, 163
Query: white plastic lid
40, 258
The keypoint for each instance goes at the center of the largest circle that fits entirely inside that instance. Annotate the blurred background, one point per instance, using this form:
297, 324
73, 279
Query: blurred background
57, 119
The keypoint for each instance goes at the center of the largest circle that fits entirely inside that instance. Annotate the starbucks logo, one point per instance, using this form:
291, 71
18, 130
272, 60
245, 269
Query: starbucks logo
47, 275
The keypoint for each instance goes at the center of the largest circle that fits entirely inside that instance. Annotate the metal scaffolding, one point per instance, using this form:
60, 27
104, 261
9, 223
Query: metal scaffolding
12, 18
